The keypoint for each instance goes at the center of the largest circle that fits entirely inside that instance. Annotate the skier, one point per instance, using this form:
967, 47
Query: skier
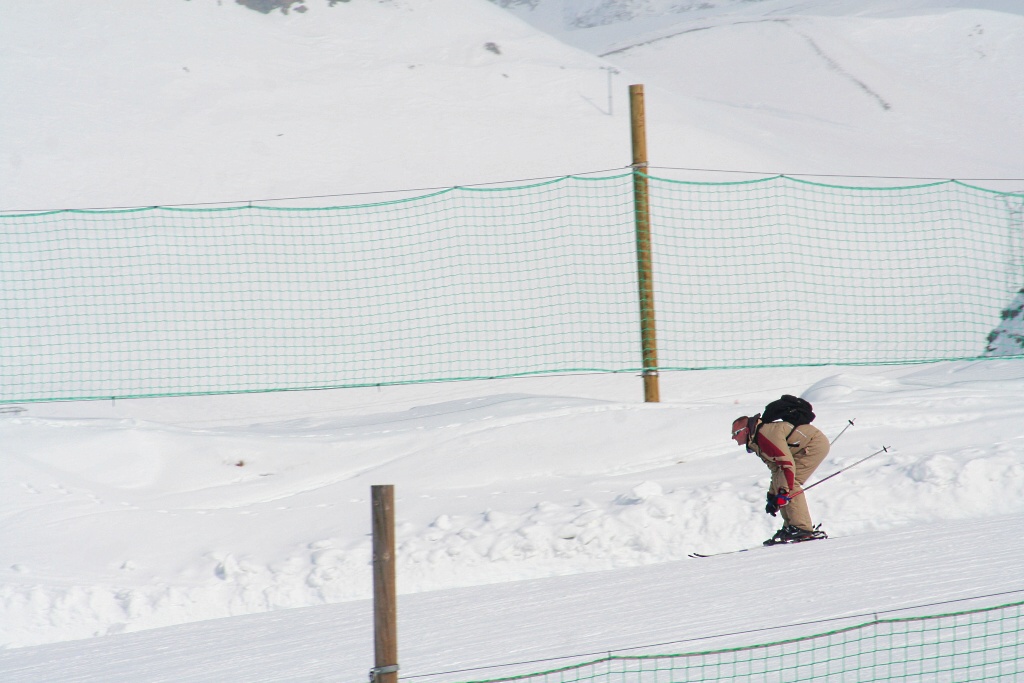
792, 453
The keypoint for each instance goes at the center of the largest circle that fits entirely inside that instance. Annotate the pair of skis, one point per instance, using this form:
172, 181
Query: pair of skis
755, 547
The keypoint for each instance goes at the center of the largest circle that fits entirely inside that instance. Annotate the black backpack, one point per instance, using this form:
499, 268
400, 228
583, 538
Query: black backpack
792, 409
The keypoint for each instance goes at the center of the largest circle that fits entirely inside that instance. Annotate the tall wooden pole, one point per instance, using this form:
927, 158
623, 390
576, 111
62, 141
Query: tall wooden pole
645, 270
385, 611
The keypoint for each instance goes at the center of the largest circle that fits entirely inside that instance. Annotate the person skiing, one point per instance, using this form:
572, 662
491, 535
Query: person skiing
792, 453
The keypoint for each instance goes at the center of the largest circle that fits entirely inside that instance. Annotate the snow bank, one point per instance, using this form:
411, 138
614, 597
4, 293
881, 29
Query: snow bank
169, 523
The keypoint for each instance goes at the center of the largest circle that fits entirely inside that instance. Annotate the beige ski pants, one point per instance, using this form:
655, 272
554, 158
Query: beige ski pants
796, 512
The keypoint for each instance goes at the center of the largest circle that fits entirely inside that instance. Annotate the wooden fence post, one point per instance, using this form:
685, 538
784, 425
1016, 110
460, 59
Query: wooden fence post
385, 612
645, 270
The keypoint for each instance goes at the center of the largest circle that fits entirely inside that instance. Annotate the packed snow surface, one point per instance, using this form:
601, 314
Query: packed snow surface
227, 537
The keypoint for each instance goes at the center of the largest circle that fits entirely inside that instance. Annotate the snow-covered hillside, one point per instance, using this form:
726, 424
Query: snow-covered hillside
924, 88
205, 101
537, 517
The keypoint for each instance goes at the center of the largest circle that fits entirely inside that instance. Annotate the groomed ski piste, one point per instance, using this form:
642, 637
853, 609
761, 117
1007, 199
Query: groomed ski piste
540, 520
537, 518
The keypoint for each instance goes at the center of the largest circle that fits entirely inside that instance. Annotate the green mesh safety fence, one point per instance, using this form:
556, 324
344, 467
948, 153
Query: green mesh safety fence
471, 283
978, 645
785, 272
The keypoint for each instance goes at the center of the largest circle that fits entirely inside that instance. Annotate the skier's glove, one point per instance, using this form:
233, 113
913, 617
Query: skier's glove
776, 501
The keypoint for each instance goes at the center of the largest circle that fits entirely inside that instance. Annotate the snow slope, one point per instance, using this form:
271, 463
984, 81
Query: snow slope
556, 512
200, 101
207, 102
549, 622
856, 88
152, 522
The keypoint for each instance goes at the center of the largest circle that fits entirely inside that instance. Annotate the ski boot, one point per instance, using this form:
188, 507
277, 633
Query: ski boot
794, 534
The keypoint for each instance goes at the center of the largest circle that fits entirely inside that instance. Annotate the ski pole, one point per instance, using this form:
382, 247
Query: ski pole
849, 423
883, 449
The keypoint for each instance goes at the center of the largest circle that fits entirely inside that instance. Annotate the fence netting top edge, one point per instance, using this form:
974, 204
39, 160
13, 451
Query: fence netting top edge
504, 186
